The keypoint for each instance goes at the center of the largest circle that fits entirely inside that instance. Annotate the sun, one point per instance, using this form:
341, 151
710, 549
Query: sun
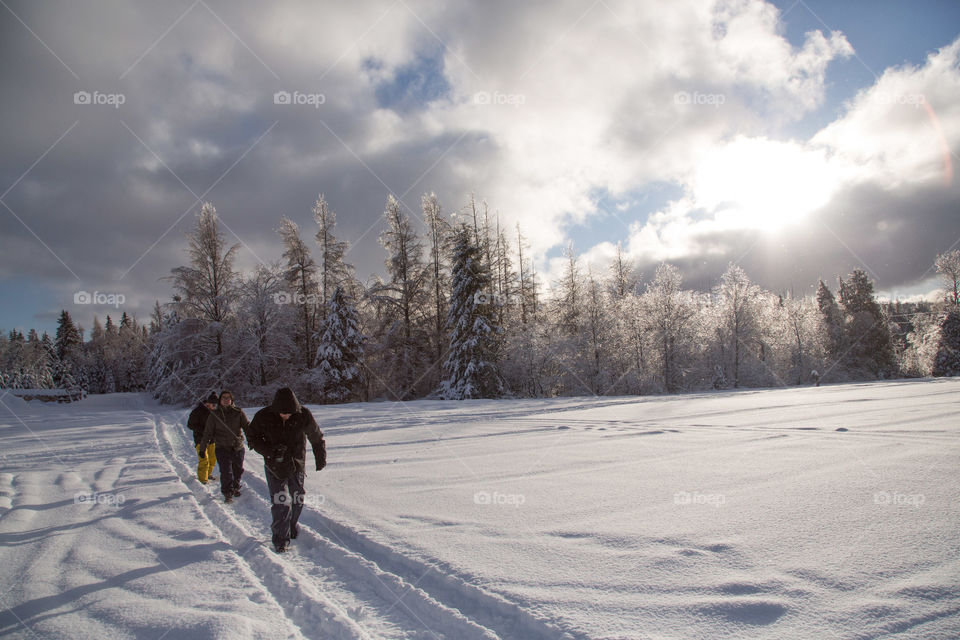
763, 184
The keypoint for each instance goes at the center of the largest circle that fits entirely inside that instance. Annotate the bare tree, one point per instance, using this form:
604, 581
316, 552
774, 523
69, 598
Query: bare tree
403, 298
623, 280
669, 312
300, 276
737, 300
332, 269
440, 233
208, 285
948, 266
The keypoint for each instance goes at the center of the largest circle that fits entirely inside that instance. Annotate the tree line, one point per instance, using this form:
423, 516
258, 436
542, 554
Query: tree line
460, 312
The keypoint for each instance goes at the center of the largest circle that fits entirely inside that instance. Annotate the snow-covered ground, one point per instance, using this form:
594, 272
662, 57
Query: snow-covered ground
827, 512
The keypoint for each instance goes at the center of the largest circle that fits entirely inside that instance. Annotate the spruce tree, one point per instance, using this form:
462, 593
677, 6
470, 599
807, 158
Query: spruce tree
68, 340
471, 366
866, 330
339, 370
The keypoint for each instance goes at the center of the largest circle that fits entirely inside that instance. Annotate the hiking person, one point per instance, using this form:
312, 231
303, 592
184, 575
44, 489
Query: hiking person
197, 422
226, 427
279, 433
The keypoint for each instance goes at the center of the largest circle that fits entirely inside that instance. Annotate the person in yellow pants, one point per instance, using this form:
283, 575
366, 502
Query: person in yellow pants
208, 460
197, 421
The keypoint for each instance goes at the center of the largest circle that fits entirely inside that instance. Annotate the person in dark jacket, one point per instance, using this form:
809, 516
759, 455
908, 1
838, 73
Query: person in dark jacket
279, 433
226, 427
197, 422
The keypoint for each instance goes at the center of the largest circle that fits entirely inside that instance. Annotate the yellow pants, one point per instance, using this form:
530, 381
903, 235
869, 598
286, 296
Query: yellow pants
206, 465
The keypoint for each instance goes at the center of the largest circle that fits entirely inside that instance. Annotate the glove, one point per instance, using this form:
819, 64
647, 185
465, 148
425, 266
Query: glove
321, 463
201, 453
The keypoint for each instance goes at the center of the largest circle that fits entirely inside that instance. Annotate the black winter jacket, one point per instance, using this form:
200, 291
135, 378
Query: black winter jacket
197, 421
226, 427
283, 444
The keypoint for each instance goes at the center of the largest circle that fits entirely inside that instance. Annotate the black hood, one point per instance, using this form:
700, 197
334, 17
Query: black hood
285, 401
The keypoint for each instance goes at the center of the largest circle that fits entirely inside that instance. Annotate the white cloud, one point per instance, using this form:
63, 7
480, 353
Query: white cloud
603, 88
900, 130
895, 135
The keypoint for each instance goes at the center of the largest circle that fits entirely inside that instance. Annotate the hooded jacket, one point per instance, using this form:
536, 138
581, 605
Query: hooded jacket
283, 444
197, 421
225, 427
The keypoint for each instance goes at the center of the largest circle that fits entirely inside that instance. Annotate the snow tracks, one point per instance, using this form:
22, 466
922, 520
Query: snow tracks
335, 583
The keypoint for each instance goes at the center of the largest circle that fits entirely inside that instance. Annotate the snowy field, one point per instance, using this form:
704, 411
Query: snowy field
800, 513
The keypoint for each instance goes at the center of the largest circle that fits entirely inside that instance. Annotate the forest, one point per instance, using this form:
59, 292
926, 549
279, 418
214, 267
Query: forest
460, 312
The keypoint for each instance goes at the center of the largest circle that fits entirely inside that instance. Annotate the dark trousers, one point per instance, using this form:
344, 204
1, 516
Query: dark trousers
230, 462
286, 496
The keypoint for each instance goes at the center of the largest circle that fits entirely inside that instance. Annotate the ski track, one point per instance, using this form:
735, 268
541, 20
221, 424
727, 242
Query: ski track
7, 492
324, 586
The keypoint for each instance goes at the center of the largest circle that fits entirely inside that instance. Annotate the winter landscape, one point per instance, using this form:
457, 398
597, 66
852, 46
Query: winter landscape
800, 513
576, 319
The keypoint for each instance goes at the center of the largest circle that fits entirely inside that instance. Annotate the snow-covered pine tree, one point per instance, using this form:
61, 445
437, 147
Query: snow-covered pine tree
947, 360
471, 366
866, 329
339, 371
68, 373
68, 342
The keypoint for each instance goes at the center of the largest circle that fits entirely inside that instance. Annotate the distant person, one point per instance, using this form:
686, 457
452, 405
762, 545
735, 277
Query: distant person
816, 377
197, 422
226, 427
279, 433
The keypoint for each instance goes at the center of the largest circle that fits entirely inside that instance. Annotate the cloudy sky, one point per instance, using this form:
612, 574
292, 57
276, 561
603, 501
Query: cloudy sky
799, 139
